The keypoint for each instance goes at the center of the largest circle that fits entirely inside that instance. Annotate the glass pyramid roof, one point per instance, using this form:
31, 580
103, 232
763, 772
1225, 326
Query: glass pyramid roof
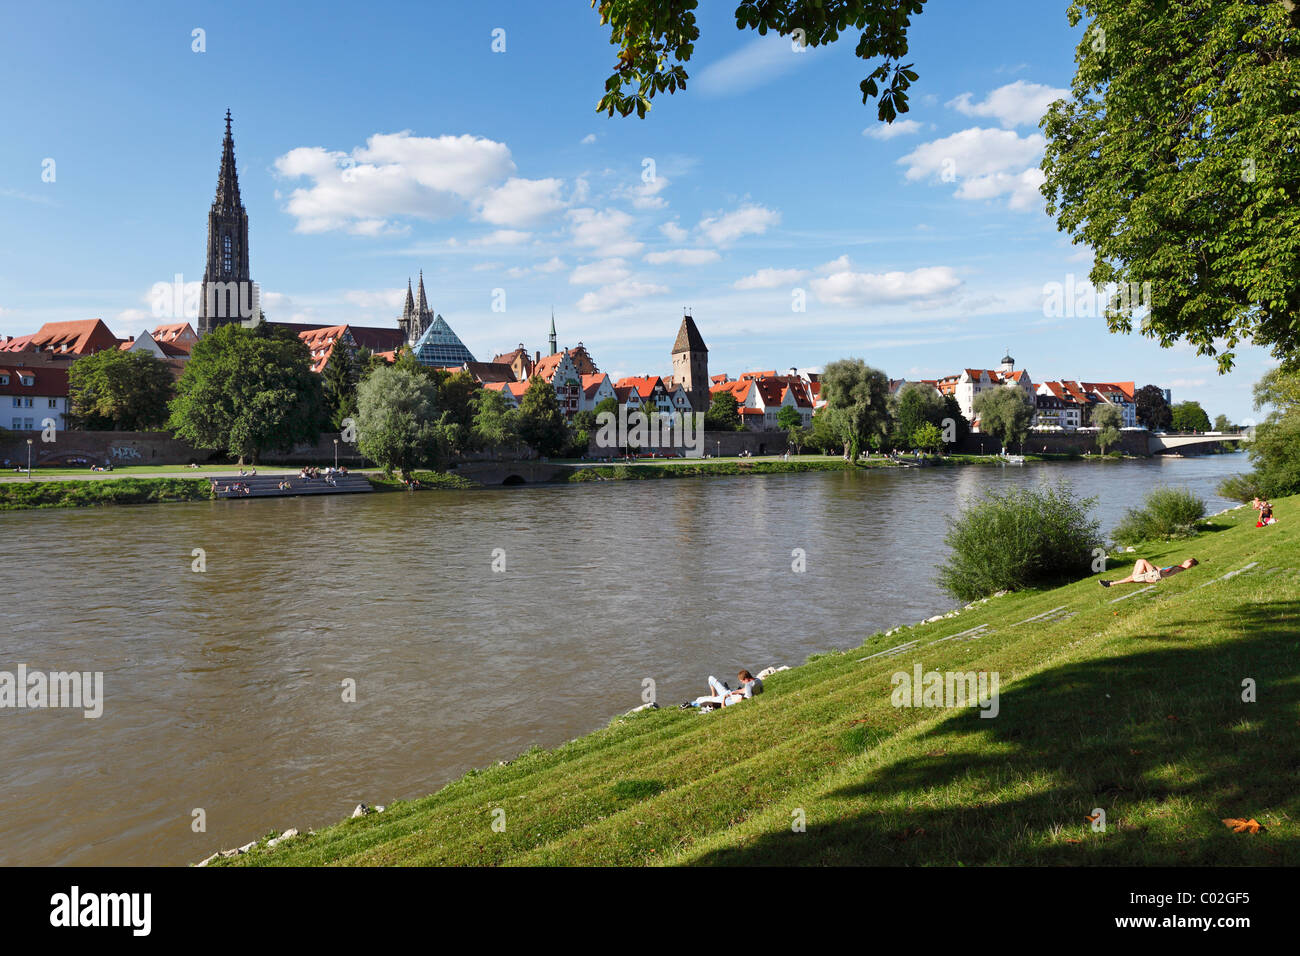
441, 347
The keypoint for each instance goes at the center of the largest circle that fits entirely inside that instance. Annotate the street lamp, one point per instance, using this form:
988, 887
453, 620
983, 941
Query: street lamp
718, 455
29, 459
336, 454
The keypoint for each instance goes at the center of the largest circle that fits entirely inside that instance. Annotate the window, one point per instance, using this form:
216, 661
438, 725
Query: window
18, 424
18, 402
27, 424
27, 379
4, 379
54, 403
27, 403
227, 255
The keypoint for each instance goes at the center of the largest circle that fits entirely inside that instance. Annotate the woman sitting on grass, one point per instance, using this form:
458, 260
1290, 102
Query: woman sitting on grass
1144, 572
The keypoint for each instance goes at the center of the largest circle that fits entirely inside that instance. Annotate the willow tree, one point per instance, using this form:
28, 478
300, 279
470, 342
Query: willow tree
1175, 159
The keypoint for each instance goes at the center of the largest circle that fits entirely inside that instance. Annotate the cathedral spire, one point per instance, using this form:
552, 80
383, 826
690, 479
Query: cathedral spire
422, 305
228, 178
410, 299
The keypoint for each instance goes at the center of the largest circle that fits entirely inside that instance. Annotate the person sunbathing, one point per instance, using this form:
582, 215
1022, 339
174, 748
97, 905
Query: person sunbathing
720, 695
1144, 572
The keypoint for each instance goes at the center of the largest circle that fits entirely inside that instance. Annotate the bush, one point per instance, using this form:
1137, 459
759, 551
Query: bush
17, 495
1166, 513
1020, 539
1241, 488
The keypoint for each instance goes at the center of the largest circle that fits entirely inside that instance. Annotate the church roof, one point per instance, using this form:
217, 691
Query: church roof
689, 338
80, 337
440, 346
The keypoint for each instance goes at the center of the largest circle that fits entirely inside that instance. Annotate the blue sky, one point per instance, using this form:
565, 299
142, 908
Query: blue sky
375, 141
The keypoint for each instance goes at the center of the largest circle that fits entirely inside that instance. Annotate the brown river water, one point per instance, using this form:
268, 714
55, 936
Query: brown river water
223, 689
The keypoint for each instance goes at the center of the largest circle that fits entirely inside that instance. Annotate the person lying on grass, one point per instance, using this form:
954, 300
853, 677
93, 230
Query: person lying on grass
720, 695
1144, 572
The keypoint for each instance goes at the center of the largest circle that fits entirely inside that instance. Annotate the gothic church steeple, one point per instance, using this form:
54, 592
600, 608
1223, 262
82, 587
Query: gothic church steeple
228, 291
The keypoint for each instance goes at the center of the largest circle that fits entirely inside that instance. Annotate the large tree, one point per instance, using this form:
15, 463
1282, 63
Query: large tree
723, 414
496, 424
1175, 160
397, 412
541, 423
655, 38
1190, 417
857, 404
914, 405
340, 377
1108, 420
1005, 413
123, 391
247, 391
1152, 409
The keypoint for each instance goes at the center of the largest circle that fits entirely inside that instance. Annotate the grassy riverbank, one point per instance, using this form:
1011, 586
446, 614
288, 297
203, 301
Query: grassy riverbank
1126, 700
696, 468
429, 481
20, 495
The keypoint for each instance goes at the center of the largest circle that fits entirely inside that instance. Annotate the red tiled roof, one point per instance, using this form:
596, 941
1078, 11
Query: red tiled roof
643, 384
50, 381
81, 337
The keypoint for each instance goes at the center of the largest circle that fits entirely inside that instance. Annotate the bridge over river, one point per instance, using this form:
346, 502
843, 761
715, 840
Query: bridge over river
1160, 442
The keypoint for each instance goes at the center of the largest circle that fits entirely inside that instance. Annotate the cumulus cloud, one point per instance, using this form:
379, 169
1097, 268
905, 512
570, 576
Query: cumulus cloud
683, 257
521, 202
770, 279
1016, 104
985, 163
588, 139
847, 287
609, 230
890, 130
749, 219
397, 175
602, 272
673, 232
618, 295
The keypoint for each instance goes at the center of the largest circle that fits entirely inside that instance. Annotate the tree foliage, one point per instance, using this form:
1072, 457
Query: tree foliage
723, 414
1175, 160
123, 391
340, 377
1108, 420
1005, 413
496, 424
916, 404
541, 423
1275, 451
247, 391
656, 38
1152, 409
1190, 417
397, 411
857, 404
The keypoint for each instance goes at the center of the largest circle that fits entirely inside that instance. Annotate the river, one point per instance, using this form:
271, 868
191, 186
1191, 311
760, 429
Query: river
224, 688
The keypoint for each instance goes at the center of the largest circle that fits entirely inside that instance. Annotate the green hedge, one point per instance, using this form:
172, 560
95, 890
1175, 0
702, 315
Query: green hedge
18, 495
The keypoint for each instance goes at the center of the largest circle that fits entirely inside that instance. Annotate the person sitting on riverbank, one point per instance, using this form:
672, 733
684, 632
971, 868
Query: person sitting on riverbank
720, 695
1144, 572
1265, 515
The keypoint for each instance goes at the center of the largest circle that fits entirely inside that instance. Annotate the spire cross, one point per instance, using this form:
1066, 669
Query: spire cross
227, 122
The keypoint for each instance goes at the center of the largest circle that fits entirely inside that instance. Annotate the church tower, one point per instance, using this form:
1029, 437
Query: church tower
691, 364
554, 348
416, 314
228, 291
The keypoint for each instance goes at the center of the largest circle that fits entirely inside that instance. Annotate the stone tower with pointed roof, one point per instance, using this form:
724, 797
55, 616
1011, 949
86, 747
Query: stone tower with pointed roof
691, 364
228, 291
416, 314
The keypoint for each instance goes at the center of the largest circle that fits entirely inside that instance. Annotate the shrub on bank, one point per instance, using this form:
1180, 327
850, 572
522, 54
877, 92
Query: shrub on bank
17, 495
1166, 513
1019, 539
1241, 488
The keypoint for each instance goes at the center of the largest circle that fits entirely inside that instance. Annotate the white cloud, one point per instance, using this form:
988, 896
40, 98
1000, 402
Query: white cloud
757, 62
609, 231
897, 128
770, 279
846, 287
1188, 383
398, 175
1016, 104
387, 299
673, 232
750, 219
521, 202
617, 295
986, 163
683, 257
601, 272
554, 264
588, 139
502, 237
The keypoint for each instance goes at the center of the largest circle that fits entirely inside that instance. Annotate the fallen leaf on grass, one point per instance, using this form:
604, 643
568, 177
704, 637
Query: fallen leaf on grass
1243, 826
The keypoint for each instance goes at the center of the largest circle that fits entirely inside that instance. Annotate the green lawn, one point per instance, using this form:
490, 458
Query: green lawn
1132, 706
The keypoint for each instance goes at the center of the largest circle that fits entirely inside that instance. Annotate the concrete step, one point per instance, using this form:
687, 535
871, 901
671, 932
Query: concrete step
267, 486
